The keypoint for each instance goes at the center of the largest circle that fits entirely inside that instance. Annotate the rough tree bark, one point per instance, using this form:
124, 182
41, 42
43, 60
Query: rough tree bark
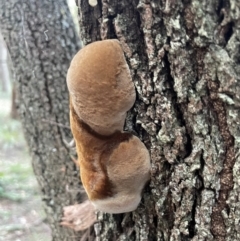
185, 62
41, 39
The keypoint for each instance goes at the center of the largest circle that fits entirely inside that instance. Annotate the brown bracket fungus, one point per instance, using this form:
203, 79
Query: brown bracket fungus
114, 165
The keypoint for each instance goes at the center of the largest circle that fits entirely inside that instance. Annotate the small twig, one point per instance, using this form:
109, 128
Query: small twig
70, 144
75, 161
46, 36
55, 123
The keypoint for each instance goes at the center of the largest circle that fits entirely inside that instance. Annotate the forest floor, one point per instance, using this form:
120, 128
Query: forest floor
22, 217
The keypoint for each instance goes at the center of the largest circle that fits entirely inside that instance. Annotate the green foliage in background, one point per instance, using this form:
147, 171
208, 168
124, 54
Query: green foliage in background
16, 175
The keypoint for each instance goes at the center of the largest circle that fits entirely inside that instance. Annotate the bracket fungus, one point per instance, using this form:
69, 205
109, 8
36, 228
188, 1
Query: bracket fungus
114, 165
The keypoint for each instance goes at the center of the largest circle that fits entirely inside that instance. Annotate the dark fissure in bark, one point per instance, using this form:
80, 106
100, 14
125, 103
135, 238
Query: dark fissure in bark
226, 176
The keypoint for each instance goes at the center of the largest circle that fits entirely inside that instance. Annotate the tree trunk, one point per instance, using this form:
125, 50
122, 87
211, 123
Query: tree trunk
5, 80
41, 39
13, 112
184, 58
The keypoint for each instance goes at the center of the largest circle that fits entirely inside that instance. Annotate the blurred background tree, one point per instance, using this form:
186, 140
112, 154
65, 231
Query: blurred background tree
41, 39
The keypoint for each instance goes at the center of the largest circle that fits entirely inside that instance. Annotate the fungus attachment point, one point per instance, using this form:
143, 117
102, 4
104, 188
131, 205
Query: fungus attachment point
114, 165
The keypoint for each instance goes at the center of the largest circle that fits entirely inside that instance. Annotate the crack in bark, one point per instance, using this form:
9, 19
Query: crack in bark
218, 227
